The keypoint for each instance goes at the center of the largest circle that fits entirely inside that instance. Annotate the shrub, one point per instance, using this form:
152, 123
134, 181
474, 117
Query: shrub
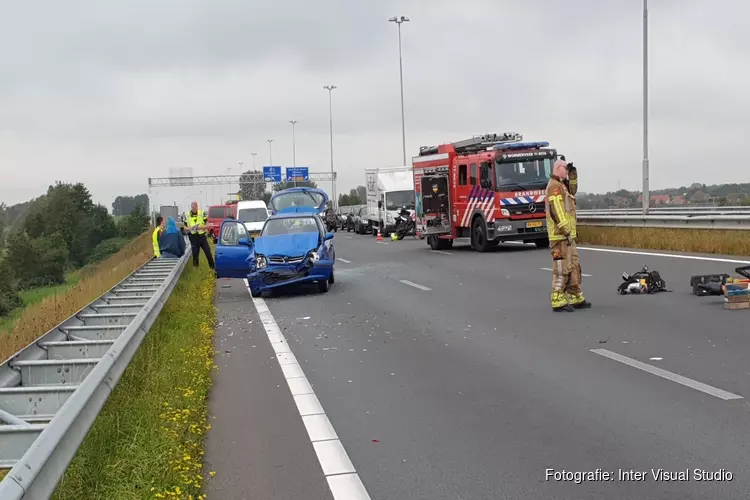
107, 248
9, 298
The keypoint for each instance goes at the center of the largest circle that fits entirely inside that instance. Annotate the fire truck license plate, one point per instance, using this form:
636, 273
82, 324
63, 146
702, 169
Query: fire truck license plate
536, 223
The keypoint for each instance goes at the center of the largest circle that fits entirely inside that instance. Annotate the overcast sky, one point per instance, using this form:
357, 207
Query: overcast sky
111, 93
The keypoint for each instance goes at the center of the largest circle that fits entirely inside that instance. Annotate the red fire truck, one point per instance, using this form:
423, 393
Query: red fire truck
482, 190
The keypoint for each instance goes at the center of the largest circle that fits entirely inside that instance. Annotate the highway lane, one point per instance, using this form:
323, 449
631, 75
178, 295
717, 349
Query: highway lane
468, 386
472, 392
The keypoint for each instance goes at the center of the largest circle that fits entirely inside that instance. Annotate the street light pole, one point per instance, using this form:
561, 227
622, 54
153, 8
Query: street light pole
399, 21
270, 152
254, 155
646, 195
330, 89
294, 148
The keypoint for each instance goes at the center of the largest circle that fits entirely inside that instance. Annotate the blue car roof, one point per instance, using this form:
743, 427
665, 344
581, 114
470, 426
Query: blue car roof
290, 214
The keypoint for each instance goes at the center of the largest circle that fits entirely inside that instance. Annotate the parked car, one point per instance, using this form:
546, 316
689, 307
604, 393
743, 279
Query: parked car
254, 214
216, 214
292, 249
361, 221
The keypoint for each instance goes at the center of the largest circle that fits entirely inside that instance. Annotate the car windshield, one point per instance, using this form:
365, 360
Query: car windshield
216, 212
252, 214
397, 199
297, 199
525, 174
290, 225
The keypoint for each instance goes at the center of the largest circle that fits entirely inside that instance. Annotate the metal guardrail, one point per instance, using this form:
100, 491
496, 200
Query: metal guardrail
691, 210
52, 390
703, 221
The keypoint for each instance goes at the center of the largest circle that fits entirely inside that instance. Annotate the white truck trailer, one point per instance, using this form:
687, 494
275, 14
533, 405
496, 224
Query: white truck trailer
388, 190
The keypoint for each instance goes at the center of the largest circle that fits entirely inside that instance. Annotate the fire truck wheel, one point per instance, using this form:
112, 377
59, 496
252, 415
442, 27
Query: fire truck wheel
478, 236
542, 243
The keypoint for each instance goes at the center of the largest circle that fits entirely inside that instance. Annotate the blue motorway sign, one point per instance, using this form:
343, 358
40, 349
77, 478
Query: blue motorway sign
297, 174
272, 174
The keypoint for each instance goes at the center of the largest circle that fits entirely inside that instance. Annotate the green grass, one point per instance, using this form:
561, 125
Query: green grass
148, 440
36, 295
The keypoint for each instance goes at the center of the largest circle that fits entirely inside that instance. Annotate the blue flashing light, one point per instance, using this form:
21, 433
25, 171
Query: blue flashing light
522, 145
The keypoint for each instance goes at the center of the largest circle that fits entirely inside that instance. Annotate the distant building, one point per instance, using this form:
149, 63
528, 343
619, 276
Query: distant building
678, 200
656, 199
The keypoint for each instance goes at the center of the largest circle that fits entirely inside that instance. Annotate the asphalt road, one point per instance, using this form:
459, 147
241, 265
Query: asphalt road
447, 376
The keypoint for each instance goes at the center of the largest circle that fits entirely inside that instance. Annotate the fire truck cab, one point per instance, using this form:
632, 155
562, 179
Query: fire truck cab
482, 190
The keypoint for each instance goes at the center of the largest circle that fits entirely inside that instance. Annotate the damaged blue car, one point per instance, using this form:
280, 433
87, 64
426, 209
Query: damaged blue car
292, 249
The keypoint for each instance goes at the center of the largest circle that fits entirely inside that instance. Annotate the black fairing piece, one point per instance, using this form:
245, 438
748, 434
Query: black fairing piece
712, 284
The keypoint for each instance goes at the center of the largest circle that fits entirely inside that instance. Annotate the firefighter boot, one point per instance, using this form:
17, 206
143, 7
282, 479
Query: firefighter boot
560, 303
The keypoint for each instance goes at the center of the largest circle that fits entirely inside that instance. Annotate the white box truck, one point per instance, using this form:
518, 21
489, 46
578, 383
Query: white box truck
388, 190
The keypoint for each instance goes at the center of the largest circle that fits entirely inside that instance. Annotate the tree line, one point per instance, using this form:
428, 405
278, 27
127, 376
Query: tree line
61, 231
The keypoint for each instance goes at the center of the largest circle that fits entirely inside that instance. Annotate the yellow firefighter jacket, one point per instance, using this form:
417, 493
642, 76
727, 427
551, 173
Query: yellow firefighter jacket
560, 207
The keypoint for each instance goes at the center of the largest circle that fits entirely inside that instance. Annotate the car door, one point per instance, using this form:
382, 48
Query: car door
231, 255
326, 250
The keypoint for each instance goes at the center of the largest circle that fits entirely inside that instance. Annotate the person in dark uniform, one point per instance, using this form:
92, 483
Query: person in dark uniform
196, 223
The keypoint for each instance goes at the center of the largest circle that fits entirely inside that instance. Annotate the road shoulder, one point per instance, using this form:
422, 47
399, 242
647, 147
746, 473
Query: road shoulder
257, 444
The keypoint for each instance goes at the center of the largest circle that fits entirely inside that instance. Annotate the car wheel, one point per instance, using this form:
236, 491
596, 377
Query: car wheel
323, 286
331, 278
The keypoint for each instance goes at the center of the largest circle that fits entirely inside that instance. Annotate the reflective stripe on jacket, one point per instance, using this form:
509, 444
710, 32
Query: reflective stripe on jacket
200, 219
155, 240
561, 220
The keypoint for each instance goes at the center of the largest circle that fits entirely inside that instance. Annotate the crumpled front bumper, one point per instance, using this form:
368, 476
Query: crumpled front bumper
278, 275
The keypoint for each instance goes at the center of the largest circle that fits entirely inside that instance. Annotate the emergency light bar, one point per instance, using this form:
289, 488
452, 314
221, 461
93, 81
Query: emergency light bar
522, 145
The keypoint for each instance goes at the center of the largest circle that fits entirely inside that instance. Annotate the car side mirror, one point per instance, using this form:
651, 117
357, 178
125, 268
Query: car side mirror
329, 236
245, 242
380, 203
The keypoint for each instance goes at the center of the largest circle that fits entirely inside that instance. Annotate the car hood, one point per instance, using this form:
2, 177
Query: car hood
290, 245
254, 226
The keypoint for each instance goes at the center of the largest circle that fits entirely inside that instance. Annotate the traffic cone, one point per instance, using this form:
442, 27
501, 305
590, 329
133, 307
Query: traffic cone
380, 236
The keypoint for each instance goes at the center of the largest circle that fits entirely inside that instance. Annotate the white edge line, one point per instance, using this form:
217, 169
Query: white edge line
342, 477
344, 260
550, 269
415, 285
688, 382
673, 256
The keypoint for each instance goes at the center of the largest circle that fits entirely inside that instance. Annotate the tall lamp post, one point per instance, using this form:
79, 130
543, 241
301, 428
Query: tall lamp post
270, 151
646, 195
330, 89
399, 21
294, 148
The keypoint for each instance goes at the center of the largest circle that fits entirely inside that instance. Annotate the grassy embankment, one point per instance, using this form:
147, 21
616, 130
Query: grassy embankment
735, 242
148, 440
49, 306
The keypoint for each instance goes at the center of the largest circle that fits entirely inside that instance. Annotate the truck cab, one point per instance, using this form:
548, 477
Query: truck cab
483, 191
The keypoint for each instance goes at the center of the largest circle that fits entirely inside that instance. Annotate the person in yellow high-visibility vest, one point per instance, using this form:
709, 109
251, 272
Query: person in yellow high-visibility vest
561, 230
196, 223
157, 234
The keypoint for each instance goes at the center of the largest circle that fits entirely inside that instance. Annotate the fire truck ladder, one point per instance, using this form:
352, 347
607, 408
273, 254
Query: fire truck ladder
476, 144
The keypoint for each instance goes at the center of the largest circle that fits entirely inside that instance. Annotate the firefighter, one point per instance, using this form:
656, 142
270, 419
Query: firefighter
561, 228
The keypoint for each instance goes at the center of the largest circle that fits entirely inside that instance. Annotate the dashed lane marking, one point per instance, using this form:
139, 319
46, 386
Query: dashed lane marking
441, 252
345, 261
381, 242
688, 382
550, 269
348, 237
342, 477
415, 285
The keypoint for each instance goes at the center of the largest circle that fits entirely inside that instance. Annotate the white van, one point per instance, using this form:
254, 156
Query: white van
253, 214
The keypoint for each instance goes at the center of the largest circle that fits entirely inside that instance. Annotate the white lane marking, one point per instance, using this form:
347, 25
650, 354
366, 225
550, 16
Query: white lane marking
694, 384
415, 285
348, 237
673, 256
549, 269
441, 252
381, 242
343, 480
345, 261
